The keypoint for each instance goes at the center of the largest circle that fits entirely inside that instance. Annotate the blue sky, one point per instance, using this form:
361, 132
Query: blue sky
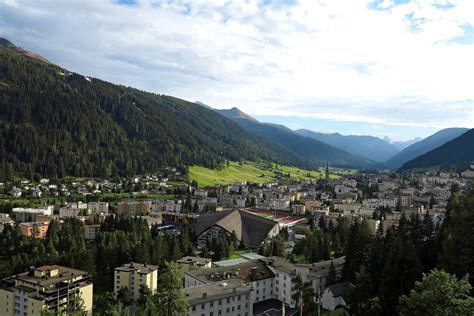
398, 68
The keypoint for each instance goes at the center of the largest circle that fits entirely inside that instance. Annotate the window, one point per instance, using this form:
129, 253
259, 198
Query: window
203, 305
220, 302
238, 307
228, 300
227, 310
194, 308
238, 297
211, 304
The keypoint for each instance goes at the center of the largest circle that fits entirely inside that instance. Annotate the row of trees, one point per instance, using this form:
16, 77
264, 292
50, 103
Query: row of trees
385, 271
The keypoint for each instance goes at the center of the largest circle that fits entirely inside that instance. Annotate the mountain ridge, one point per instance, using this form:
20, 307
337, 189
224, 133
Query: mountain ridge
429, 143
47, 129
370, 147
456, 153
303, 146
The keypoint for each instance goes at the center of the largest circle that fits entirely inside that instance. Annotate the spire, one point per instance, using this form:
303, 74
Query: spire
327, 170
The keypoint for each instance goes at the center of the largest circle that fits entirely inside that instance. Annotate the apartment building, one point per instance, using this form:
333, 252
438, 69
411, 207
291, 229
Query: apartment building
98, 207
91, 231
135, 275
134, 208
52, 288
22, 214
268, 279
228, 297
34, 229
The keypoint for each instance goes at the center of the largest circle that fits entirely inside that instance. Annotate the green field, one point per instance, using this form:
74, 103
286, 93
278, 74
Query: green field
234, 173
248, 171
301, 174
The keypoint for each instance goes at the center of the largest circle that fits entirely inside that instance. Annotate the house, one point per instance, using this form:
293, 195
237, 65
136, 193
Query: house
335, 295
44, 288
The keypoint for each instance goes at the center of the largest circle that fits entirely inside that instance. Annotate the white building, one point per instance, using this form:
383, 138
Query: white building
335, 296
29, 214
98, 207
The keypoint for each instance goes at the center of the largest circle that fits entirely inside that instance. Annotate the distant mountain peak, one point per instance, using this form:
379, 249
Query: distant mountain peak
235, 113
4, 43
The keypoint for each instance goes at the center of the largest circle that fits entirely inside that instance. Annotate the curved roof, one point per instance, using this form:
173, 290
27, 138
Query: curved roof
249, 228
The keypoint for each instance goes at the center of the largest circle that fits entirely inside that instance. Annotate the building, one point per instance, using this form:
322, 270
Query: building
29, 214
227, 297
34, 229
335, 296
248, 228
134, 208
5, 220
49, 287
98, 207
91, 231
135, 275
193, 263
69, 212
318, 273
298, 209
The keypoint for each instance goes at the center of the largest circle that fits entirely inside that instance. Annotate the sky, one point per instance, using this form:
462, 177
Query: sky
395, 68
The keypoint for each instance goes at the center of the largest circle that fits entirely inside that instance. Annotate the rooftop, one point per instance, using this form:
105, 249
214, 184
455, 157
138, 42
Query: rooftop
214, 291
198, 260
280, 264
242, 271
139, 267
42, 276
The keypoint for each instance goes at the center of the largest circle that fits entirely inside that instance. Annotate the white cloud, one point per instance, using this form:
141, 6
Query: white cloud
333, 59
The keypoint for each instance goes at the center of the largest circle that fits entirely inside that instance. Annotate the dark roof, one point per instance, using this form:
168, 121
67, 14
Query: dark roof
272, 307
242, 271
340, 289
249, 228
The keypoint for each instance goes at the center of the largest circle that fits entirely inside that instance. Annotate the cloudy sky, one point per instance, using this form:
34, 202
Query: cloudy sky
398, 68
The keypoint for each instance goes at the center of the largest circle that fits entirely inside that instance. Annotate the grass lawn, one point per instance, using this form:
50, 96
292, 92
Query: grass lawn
302, 174
234, 173
236, 254
250, 171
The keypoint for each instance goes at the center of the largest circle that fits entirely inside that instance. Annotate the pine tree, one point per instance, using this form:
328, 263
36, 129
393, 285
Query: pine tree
171, 298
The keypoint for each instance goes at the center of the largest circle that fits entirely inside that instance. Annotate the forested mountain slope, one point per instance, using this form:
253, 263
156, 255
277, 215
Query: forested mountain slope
457, 153
56, 123
417, 149
306, 147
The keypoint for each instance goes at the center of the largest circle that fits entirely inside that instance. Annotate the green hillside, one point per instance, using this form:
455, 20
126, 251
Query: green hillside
248, 171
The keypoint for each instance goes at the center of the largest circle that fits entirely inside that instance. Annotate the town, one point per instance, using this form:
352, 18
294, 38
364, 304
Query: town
100, 246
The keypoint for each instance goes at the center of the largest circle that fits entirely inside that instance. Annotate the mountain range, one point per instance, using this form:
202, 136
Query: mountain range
307, 147
456, 153
422, 147
369, 147
56, 123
